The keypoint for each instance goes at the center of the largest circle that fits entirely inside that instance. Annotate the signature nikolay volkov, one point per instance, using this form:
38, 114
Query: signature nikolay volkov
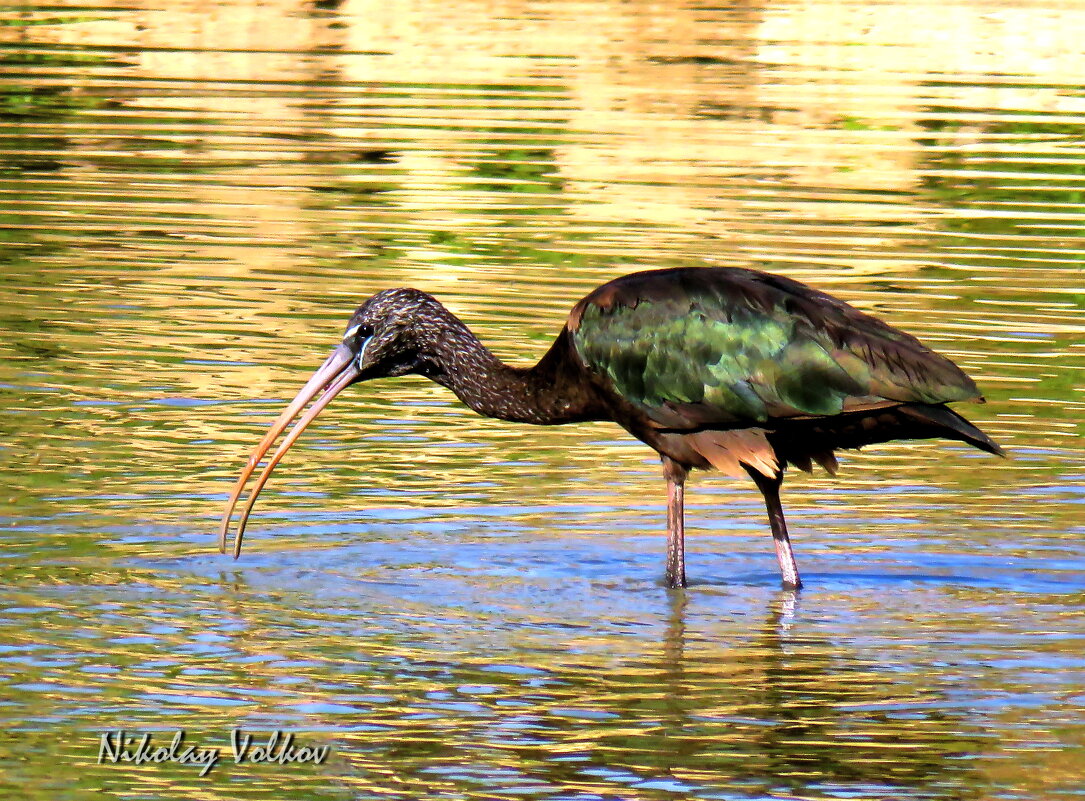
121, 746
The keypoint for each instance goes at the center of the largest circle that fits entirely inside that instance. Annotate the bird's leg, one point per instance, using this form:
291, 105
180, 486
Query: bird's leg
770, 488
676, 526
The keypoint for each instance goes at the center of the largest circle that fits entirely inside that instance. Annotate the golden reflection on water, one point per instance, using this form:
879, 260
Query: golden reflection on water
194, 197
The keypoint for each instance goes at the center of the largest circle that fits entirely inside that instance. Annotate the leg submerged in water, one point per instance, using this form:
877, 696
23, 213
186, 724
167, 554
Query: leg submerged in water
770, 488
676, 528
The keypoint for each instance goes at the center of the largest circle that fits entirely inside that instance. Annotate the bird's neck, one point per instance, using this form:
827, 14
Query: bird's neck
549, 393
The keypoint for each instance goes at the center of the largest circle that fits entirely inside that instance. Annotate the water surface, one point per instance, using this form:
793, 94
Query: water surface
194, 197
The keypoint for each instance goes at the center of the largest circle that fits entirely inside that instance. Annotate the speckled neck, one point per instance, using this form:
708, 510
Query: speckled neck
554, 391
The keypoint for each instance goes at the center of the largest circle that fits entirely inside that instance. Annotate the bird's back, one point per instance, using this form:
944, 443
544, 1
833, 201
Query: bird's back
726, 349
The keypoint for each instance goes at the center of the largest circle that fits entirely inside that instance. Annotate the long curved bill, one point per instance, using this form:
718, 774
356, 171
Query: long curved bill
338, 372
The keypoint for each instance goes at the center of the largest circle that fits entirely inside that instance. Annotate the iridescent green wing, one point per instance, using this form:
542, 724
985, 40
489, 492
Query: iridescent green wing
722, 346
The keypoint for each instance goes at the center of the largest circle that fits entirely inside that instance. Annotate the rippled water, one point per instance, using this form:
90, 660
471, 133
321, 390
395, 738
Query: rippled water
193, 199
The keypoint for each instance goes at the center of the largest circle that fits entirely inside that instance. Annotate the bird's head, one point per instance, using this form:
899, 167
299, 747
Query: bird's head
386, 336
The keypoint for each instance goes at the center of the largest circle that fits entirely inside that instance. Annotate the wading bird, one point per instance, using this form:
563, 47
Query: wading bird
725, 368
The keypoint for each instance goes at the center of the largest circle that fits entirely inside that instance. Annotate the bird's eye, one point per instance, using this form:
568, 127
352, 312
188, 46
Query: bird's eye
361, 330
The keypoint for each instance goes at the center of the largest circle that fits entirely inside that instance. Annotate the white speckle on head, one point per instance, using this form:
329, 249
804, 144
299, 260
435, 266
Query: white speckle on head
351, 331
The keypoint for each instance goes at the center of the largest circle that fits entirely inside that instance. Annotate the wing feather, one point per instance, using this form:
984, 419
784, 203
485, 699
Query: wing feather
727, 348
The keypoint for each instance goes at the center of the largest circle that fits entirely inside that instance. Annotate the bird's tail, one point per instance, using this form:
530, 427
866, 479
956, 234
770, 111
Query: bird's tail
951, 425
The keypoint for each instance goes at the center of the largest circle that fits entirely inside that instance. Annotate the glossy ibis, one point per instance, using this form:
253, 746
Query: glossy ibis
724, 368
